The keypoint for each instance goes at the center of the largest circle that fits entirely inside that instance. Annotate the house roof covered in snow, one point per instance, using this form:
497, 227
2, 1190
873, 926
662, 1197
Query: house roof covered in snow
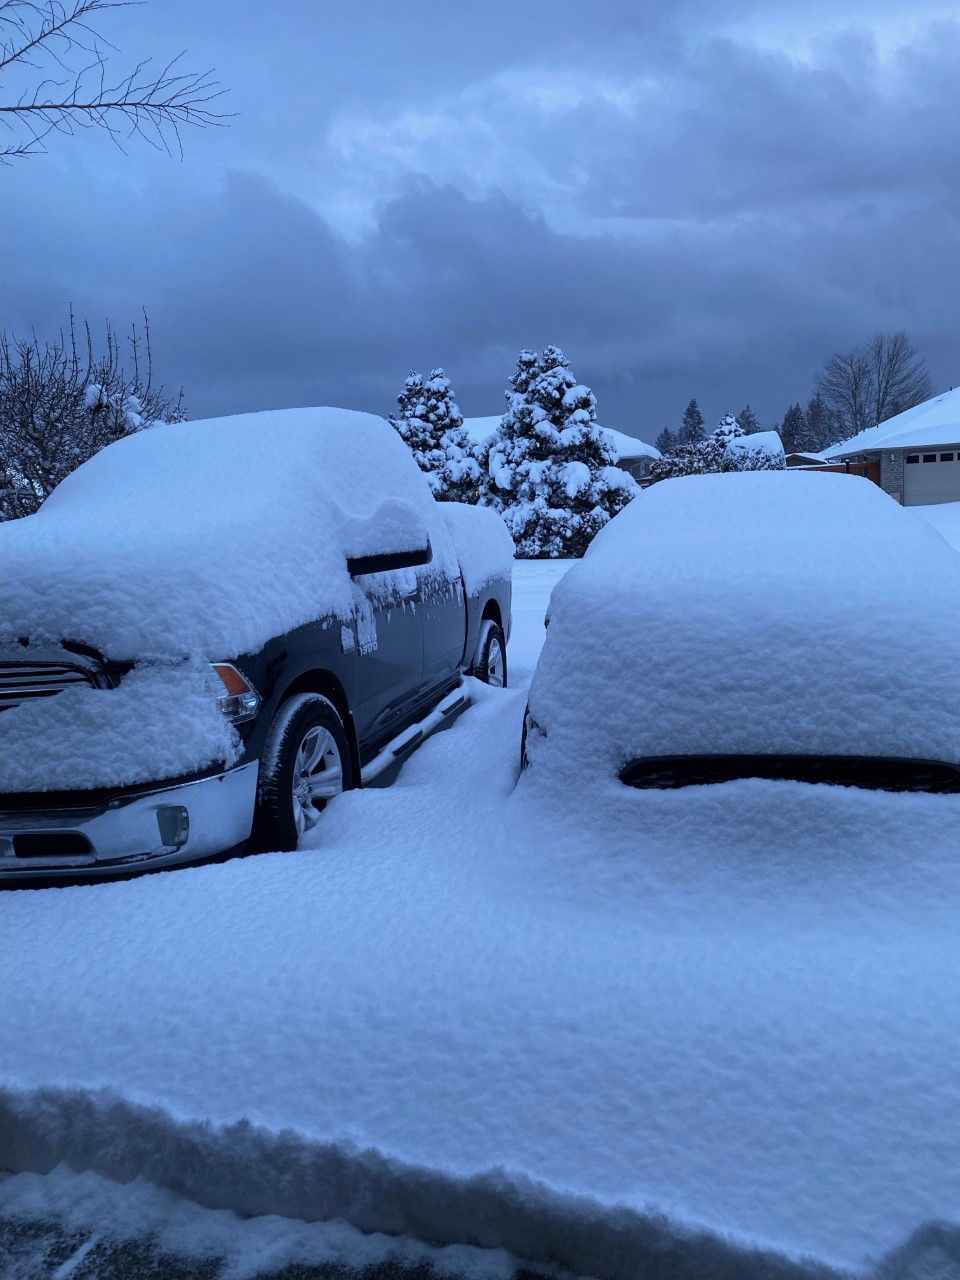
478, 429
630, 446
799, 457
935, 422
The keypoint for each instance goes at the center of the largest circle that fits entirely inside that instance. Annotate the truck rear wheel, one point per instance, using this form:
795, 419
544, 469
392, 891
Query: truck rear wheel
306, 763
491, 665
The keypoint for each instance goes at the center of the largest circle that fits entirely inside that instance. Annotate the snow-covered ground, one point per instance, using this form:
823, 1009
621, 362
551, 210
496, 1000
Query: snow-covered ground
945, 518
463, 1017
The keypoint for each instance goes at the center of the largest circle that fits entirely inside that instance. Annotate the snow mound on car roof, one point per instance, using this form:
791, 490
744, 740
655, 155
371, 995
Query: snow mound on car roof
753, 613
208, 538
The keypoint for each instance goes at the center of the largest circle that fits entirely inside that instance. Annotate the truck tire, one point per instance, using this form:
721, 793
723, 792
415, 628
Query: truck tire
306, 763
491, 664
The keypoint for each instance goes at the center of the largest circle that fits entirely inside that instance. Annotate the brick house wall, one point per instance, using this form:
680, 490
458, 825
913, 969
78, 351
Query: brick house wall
891, 473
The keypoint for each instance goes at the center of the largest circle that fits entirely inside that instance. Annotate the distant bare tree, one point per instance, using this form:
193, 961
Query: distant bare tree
52, 50
873, 382
60, 404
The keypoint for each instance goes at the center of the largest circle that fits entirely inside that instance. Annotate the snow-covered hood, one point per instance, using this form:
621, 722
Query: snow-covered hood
162, 721
754, 613
208, 538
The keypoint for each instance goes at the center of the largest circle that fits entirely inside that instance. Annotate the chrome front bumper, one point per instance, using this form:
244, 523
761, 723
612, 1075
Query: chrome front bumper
160, 826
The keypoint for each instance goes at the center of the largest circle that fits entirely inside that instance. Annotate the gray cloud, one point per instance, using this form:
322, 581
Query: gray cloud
686, 216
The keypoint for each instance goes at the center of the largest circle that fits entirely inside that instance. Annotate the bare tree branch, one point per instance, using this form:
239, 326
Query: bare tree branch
873, 382
139, 103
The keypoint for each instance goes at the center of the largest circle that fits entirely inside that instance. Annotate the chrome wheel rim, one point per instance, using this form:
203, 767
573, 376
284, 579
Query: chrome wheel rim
317, 777
495, 663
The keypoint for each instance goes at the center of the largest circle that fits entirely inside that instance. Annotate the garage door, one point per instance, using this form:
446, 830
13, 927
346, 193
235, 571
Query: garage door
931, 477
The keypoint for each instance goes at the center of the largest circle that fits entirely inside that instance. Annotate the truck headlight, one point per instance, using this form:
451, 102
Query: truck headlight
241, 700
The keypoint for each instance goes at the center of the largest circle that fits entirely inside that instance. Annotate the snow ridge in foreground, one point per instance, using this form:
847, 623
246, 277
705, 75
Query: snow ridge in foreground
249, 1170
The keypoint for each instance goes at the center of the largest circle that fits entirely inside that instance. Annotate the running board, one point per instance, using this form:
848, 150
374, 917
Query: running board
407, 742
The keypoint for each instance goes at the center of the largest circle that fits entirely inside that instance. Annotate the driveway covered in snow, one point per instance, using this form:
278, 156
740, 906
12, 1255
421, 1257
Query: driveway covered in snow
465, 1017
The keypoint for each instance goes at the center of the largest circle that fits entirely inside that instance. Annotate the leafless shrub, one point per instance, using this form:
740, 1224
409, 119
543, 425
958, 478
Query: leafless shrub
60, 404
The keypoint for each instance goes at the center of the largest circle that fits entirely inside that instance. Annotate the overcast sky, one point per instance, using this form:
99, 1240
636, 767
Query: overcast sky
689, 206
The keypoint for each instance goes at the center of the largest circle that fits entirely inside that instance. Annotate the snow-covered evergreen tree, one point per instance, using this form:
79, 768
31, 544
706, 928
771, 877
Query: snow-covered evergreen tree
550, 469
691, 429
748, 420
666, 441
431, 424
728, 429
822, 426
412, 425
794, 431
457, 479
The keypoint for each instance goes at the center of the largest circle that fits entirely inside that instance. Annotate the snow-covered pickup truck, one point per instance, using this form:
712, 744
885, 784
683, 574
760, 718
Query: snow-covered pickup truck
239, 618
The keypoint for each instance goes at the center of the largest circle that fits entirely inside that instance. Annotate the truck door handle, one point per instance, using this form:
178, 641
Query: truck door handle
407, 596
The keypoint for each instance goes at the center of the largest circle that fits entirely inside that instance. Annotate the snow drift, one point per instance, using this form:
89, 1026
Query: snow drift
254, 1172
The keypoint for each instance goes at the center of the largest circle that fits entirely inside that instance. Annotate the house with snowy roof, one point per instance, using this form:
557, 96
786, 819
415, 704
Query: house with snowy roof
918, 451
636, 457
801, 459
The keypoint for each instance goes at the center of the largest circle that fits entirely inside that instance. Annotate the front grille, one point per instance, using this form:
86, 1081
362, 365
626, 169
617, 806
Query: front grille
20, 681
874, 773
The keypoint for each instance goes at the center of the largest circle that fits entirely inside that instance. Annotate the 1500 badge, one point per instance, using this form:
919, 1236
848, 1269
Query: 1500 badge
365, 639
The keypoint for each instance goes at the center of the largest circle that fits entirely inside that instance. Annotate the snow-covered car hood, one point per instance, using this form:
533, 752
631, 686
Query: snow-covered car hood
208, 538
163, 721
753, 613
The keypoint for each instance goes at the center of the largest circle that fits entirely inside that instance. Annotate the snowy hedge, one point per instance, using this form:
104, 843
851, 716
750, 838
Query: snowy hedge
729, 448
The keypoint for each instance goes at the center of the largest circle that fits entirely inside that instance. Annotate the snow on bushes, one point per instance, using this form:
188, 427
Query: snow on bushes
761, 613
431, 425
761, 451
550, 469
729, 448
208, 538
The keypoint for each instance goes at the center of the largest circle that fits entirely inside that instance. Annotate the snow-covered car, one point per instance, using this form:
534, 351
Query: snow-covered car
779, 625
239, 618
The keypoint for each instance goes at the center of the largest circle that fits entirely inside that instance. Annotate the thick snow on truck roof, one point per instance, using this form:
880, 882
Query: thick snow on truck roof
207, 538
